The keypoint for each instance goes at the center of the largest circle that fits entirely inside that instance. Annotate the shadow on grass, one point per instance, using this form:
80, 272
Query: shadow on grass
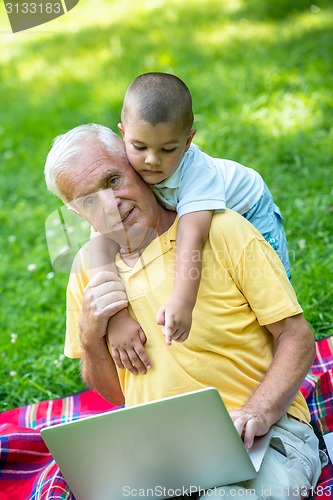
61, 81
279, 10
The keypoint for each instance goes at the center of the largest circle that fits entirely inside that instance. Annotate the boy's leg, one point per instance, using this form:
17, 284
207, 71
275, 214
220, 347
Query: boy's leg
267, 218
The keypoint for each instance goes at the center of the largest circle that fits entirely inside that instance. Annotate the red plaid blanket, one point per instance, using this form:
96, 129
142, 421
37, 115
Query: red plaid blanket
28, 472
317, 389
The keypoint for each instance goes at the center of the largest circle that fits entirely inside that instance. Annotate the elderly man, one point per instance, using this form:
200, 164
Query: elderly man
249, 338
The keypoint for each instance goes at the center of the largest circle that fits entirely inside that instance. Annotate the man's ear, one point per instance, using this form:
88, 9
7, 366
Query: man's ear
190, 138
121, 129
71, 209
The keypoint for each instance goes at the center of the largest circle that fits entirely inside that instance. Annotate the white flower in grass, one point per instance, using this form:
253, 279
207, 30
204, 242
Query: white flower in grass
12, 238
13, 337
50, 275
12, 373
32, 267
302, 243
8, 155
58, 362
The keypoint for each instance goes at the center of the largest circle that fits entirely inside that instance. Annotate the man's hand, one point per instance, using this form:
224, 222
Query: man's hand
126, 339
249, 424
176, 320
104, 297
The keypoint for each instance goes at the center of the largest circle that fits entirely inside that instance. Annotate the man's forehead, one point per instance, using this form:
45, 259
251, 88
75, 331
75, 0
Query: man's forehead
89, 172
99, 184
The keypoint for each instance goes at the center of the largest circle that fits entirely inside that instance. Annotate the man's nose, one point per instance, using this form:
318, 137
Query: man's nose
109, 201
153, 159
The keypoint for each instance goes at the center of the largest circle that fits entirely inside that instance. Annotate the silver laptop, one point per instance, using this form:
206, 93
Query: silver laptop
166, 448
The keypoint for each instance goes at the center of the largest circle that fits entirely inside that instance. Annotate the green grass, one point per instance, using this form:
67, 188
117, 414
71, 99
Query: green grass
261, 79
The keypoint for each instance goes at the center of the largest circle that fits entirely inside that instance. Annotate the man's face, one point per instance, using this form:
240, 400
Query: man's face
155, 151
107, 192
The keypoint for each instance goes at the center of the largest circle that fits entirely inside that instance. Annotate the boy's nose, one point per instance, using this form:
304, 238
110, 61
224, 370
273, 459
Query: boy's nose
152, 159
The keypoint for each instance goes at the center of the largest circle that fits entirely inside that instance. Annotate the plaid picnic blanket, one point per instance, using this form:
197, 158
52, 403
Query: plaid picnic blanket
27, 469
317, 389
28, 472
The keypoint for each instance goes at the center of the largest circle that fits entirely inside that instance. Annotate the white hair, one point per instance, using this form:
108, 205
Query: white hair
66, 146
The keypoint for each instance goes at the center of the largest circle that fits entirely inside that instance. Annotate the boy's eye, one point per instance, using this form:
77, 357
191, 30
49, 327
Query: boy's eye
168, 150
139, 148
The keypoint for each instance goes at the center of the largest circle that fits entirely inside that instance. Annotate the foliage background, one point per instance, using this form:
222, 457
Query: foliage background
261, 78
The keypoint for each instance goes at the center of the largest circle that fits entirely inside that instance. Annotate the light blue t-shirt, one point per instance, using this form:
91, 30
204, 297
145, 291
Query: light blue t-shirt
205, 183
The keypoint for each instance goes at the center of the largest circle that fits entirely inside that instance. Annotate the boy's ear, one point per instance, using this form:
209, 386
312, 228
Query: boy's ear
190, 138
121, 129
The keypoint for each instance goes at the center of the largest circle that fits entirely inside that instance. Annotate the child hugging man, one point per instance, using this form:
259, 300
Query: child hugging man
156, 125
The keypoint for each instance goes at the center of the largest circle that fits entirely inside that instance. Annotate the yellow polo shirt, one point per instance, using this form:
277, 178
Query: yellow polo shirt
243, 287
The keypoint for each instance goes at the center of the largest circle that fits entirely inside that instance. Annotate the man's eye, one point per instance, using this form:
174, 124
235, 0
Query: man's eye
112, 182
89, 202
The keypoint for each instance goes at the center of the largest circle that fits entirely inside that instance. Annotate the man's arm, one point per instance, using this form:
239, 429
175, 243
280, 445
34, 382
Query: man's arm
104, 296
295, 352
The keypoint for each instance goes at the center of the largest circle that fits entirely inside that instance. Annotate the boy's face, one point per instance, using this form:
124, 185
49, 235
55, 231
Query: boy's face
155, 151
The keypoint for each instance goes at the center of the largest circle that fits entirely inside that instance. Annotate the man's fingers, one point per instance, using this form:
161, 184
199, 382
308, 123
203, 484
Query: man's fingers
249, 433
114, 307
240, 423
106, 293
248, 427
106, 277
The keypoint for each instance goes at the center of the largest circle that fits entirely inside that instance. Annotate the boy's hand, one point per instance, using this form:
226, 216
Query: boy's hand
176, 320
126, 339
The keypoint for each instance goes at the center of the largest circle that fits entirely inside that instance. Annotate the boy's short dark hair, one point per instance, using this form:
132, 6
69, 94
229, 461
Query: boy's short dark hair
158, 98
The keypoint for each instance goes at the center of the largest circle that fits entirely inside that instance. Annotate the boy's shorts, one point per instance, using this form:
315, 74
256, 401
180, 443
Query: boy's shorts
267, 218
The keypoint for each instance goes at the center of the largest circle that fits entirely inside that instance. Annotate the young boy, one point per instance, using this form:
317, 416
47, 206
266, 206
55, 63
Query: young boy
156, 126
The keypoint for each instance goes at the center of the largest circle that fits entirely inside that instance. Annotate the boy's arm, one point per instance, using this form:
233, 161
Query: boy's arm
176, 315
125, 336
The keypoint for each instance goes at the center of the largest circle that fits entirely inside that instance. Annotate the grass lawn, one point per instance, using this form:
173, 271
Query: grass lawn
261, 77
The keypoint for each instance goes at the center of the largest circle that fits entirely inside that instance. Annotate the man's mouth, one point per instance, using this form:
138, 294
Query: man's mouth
119, 223
127, 215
